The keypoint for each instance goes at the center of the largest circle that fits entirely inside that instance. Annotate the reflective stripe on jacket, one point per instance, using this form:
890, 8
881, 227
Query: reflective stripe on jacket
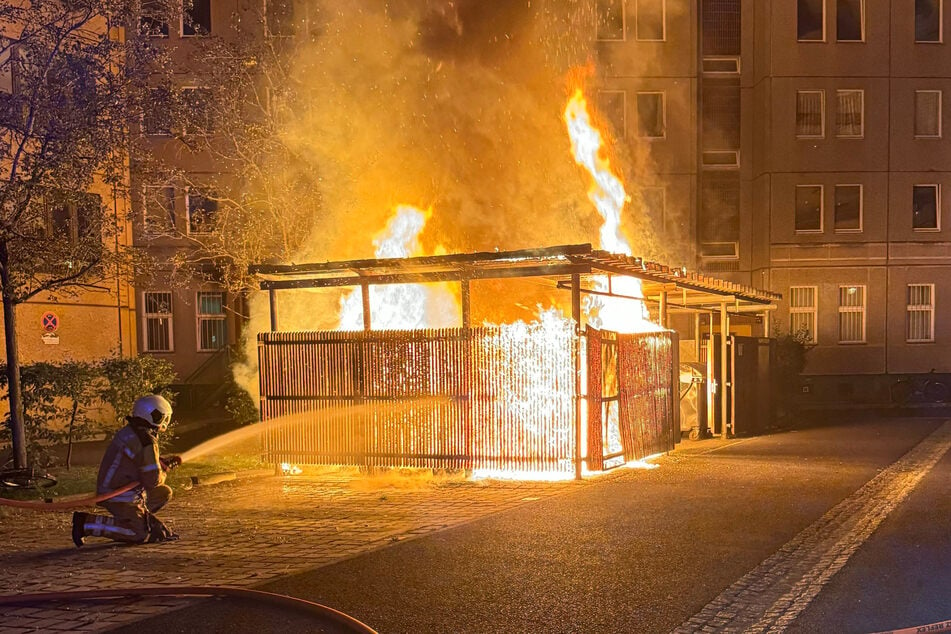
131, 456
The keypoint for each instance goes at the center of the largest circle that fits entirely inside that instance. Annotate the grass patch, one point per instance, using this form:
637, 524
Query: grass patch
82, 480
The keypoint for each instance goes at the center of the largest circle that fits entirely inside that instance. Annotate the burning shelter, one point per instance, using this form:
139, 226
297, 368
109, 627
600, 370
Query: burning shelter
555, 397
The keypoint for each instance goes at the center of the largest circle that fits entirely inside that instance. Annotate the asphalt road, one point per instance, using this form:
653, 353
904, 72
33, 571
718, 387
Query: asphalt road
646, 551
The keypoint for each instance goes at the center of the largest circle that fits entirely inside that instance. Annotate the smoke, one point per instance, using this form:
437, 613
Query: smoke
455, 105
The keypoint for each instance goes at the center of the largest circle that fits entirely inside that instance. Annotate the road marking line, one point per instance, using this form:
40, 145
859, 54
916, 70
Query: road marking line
771, 596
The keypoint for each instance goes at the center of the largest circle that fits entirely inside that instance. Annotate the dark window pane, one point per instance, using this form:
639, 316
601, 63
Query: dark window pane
650, 19
848, 21
212, 334
611, 105
927, 20
925, 207
650, 114
197, 103
197, 17
202, 211
809, 208
610, 19
811, 16
848, 207
720, 208
153, 22
159, 213
721, 27
156, 119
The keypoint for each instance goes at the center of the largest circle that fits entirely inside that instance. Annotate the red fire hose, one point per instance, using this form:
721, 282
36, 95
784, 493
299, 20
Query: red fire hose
66, 504
282, 600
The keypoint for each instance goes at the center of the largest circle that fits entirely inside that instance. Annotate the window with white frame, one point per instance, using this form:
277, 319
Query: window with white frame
928, 19
808, 208
202, 211
157, 315
651, 116
811, 20
847, 216
850, 20
196, 18
802, 311
852, 314
920, 315
611, 104
610, 17
850, 113
927, 114
210, 313
651, 20
925, 205
810, 113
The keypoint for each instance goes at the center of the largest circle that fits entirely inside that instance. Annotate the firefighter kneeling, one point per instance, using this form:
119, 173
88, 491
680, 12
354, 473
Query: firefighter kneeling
133, 456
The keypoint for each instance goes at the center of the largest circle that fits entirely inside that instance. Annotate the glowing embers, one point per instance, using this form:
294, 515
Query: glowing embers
609, 197
402, 306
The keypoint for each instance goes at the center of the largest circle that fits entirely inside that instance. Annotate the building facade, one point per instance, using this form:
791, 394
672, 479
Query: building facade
820, 157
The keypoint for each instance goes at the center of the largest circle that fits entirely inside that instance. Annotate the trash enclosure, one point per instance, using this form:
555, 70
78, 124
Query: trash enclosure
554, 396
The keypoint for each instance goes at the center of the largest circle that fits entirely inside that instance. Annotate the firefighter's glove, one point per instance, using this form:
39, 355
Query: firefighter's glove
170, 462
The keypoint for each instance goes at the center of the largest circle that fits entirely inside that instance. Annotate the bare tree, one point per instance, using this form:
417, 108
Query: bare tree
71, 90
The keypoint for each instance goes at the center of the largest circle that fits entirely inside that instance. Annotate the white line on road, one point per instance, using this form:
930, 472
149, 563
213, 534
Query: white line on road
775, 593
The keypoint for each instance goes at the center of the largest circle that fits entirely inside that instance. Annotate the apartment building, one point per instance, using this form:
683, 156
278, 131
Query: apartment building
807, 144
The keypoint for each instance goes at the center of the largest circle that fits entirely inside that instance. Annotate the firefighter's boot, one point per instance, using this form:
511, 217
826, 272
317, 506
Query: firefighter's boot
79, 528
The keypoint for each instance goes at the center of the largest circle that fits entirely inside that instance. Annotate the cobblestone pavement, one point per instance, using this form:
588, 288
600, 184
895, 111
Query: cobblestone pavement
237, 533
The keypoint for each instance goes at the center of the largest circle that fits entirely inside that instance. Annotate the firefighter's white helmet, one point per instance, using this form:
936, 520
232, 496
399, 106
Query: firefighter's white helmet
154, 410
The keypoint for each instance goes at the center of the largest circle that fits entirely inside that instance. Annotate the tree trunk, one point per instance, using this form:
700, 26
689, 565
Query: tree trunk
13, 362
69, 438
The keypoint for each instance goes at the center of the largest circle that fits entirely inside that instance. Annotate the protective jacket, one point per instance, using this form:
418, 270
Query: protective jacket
132, 456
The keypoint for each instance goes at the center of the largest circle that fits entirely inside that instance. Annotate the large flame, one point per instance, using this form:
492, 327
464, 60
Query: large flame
402, 306
609, 197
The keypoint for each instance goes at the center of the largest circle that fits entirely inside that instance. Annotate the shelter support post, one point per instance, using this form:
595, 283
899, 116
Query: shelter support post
576, 316
662, 309
365, 295
725, 384
466, 310
272, 303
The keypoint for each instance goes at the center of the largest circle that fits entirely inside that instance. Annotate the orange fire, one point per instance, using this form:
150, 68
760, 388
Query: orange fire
609, 197
402, 306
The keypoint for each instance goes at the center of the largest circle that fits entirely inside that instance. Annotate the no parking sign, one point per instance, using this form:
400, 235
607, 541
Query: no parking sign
50, 322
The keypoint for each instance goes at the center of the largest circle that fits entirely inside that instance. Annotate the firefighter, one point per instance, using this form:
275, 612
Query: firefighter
133, 456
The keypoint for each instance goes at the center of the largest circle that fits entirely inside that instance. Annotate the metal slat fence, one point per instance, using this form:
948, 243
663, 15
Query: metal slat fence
499, 398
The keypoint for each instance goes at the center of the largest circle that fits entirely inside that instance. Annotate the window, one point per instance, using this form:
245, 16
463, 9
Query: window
651, 120
610, 20
927, 113
850, 21
153, 22
196, 18
202, 212
197, 116
928, 18
76, 217
851, 314
808, 208
210, 312
920, 315
850, 114
650, 18
924, 208
279, 15
802, 311
156, 119
158, 321
848, 208
811, 21
158, 209
810, 113
719, 222
611, 104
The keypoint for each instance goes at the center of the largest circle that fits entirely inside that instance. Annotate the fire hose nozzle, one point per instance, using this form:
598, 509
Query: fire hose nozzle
170, 462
